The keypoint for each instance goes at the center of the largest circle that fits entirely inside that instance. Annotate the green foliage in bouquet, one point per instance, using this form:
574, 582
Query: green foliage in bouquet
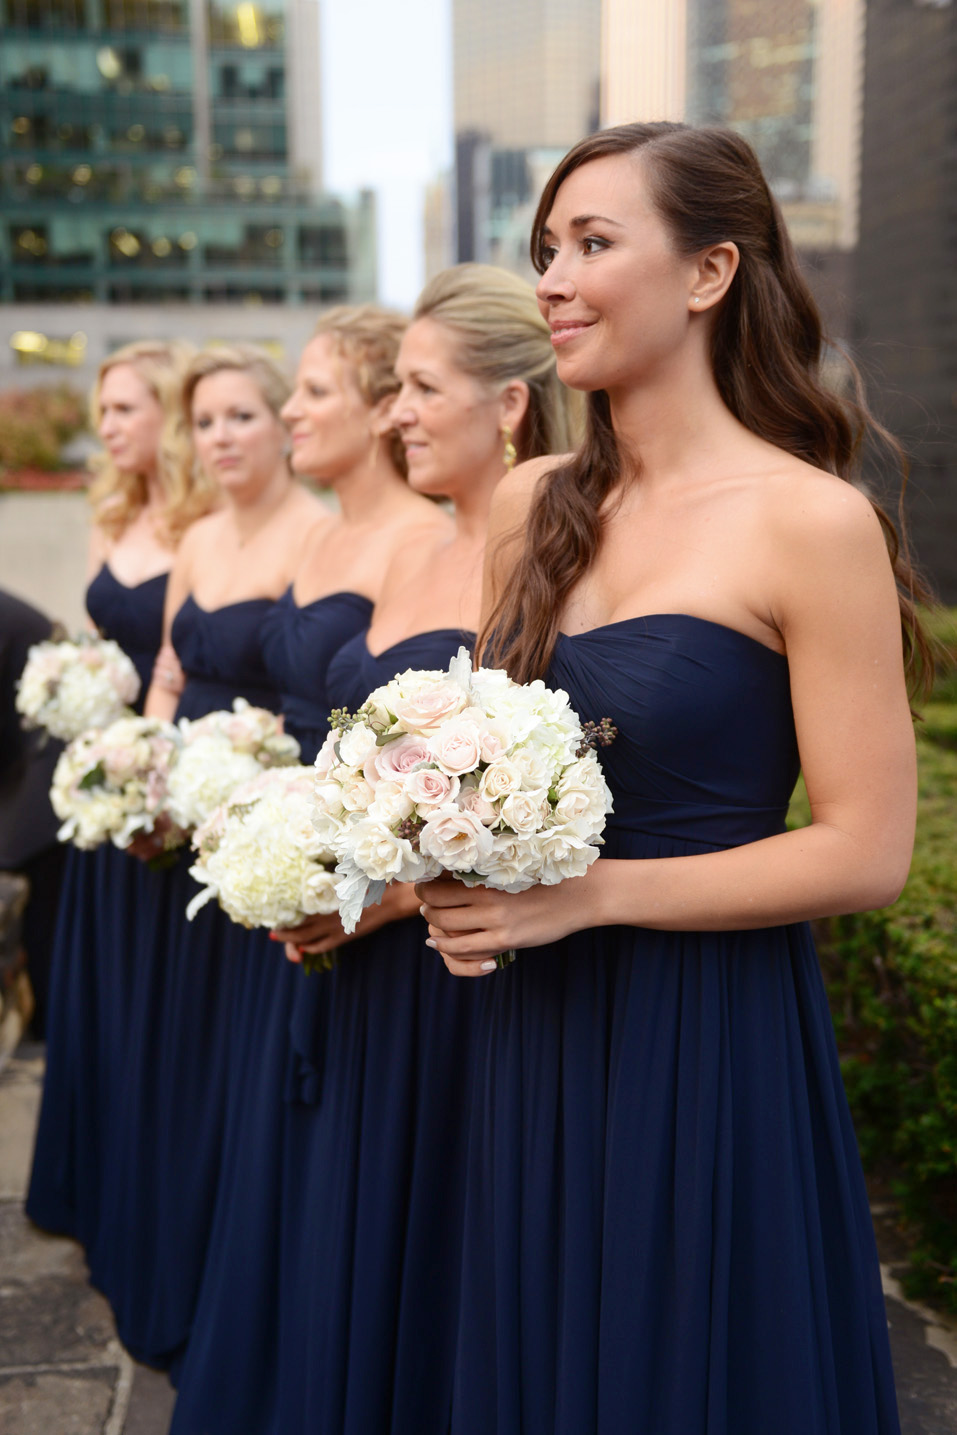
36, 423
892, 981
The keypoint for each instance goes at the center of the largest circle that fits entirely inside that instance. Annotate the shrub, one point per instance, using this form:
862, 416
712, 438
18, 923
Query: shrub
892, 981
36, 423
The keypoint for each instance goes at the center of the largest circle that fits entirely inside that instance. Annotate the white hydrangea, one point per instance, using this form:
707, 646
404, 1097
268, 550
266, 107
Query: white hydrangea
71, 686
221, 752
260, 857
458, 771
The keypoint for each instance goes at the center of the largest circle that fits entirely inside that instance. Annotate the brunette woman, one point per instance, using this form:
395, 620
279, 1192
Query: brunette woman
373, 1220
342, 438
144, 498
229, 571
667, 1227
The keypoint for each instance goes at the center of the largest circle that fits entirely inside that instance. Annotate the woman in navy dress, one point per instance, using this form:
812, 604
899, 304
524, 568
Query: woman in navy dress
144, 498
229, 570
342, 438
371, 1248
667, 1226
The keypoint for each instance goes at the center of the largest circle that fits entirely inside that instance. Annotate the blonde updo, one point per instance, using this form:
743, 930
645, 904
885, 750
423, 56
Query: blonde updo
500, 335
367, 338
118, 497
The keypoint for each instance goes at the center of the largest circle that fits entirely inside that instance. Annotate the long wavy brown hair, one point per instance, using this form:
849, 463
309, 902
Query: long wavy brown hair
767, 346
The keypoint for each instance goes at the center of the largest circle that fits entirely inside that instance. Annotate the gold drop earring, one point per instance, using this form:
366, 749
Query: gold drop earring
510, 451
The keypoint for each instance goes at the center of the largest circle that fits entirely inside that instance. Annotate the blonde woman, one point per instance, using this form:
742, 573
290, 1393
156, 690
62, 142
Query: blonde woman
342, 437
337, 1313
229, 571
372, 1290
144, 499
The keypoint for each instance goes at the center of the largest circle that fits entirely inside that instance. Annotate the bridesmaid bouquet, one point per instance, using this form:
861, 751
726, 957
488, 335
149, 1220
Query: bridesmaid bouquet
463, 772
70, 686
112, 784
260, 856
218, 753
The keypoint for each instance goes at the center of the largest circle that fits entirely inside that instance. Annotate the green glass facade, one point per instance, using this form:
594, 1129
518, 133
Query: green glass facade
145, 157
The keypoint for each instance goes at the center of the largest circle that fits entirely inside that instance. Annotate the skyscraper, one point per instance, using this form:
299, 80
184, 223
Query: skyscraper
906, 291
157, 152
525, 88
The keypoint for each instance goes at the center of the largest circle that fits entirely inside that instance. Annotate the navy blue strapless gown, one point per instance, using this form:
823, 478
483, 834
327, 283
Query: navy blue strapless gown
157, 1221
667, 1227
227, 1378
375, 1169
92, 973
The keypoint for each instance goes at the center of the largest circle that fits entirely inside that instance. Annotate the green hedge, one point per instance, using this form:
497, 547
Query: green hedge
892, 981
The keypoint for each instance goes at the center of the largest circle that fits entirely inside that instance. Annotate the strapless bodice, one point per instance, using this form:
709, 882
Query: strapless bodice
298, 644
132, 616
221, 655
706, 748
354, 671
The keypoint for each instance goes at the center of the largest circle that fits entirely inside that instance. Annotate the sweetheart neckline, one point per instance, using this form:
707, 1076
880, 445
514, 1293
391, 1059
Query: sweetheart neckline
684, 617
224, 607
324, 598
128, 587
428, 633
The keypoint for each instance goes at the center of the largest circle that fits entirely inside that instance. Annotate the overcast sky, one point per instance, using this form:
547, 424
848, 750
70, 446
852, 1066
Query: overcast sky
387, 119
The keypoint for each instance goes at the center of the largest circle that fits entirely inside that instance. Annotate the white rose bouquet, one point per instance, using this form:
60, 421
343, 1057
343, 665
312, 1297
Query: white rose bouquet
70, 686
463, 772
220, 752
260, 856
112, 785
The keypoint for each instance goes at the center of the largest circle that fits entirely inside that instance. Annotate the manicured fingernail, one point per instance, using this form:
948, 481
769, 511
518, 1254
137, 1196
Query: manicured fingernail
435, 946
422, 911
488, 966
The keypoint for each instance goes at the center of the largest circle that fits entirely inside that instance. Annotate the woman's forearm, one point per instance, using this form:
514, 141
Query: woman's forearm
814, 871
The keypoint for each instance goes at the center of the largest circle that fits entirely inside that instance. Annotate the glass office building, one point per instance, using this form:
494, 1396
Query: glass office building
166, 151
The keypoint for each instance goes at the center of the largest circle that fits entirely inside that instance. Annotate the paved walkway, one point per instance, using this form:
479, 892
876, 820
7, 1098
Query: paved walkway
63, 1371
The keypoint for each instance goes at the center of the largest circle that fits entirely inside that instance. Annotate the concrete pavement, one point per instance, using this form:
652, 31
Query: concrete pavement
63, 1371
62, 1368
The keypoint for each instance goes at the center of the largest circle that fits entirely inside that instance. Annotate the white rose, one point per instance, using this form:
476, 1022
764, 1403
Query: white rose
391, 804
562, 853
328, 828
427, 788
426, 707
326, 756
532, 769
457, 748
499, 780
357, 794
327, 796
383, 856
510, 865
456, 839
319, 896
357, 745
525, 812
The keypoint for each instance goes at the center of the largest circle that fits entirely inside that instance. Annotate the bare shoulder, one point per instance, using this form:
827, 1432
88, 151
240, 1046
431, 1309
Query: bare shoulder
516, 492
808, 509
825, 548
201, 533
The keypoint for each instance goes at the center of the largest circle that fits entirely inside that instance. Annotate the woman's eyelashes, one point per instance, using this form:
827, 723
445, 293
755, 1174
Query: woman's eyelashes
589, 244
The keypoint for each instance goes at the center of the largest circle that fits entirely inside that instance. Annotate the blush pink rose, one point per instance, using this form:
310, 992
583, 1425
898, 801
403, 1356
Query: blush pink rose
398, 758
426, 708
457, 748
